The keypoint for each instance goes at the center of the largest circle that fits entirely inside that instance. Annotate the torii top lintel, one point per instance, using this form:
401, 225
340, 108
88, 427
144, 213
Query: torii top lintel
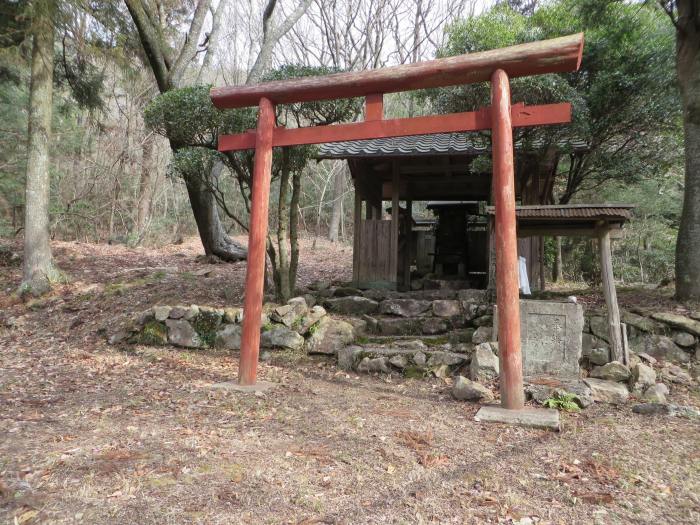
557, 55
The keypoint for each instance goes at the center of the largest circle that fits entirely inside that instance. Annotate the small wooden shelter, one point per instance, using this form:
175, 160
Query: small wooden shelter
442, 170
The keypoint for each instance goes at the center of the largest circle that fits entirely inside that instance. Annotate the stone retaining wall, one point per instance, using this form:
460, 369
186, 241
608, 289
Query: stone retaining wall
662, 335
294, 326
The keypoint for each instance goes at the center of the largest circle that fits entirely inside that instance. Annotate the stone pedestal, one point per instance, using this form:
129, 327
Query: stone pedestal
543, 418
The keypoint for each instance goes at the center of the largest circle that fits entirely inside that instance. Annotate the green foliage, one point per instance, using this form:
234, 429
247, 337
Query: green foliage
153, 333
625, 99
318, 113
565, 401
187, 118
205, 324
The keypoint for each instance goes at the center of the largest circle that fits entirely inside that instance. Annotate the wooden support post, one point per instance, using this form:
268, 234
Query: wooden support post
543, 268
374, 107
408, 235
357, 238
395, 222
606, 269
255, 270
507, 285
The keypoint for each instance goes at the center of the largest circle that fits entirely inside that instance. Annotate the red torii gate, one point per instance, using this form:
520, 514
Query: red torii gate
549, 56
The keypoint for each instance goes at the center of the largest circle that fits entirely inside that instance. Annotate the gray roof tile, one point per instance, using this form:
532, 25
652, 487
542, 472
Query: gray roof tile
437, 144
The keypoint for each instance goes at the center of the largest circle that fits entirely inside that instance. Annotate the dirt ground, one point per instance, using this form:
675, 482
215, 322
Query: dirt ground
91, 433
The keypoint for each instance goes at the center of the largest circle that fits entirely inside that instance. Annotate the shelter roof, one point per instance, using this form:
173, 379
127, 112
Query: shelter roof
436, 144
569, 219
565, 212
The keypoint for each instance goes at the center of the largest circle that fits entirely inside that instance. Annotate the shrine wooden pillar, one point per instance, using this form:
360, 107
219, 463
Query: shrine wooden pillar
257, 238
507, 282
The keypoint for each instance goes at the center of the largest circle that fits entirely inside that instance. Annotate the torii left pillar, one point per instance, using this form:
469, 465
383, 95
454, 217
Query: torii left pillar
257, 240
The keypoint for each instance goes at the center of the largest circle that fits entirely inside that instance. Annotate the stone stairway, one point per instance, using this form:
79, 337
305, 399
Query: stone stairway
464, 315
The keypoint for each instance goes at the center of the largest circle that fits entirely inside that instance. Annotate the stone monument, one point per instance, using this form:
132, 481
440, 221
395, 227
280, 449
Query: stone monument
551, 334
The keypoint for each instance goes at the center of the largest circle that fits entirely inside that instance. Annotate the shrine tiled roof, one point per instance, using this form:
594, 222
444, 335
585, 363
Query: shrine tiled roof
437, 144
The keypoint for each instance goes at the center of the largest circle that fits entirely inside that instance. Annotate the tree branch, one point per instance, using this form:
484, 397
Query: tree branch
189, 47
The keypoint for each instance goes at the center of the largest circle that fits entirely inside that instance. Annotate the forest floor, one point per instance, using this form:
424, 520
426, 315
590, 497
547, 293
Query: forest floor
91, 433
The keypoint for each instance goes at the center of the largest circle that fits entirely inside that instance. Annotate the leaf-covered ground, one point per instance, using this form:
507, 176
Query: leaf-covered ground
96, 434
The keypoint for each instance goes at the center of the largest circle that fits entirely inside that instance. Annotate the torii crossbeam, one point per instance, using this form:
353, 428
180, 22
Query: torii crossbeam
557, 55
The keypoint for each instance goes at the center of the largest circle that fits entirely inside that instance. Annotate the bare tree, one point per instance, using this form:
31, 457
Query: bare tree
169, 66
39, 270
211, 42
272, 35
366, 34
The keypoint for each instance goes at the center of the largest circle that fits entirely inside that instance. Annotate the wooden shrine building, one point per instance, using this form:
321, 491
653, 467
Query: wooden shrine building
443, 172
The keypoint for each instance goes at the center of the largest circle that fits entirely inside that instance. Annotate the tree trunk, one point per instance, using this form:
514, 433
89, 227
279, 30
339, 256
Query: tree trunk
557, 274
282, 270
211, 232
294, 229
336, 212
39, 270
168, 71
688, 68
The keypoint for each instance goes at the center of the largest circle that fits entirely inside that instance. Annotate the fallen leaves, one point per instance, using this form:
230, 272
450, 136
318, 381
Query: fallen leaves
433, 460
421, 443
415, 440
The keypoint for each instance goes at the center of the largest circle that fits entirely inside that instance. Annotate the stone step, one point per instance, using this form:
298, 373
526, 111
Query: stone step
414, 361
428, 340
421, 326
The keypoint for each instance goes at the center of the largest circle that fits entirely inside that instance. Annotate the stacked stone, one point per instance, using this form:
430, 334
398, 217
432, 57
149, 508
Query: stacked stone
432, 312
665, 336
293, 326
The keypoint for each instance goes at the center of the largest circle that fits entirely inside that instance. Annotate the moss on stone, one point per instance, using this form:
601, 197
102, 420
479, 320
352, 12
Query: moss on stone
414, 372
436, 341
205, 324
153, 333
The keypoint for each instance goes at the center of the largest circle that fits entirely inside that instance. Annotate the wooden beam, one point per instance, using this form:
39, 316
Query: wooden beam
408, 235
374, 107
522, 116
395, 222
606, 269
255, 269
411, 169
507, 278
615, 231
557, 55
356, 237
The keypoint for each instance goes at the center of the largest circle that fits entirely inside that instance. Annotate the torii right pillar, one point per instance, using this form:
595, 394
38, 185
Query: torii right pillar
507, 278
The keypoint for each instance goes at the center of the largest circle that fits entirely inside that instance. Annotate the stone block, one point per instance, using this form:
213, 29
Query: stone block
607, 391
613, 371
404, 307
467, 390
684, 339
483, 334
660, 347
181, 333
352, 305
446, 308
484, 363
281, 337
328, 336
434, 325
399, 326
229, 337
551, 338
